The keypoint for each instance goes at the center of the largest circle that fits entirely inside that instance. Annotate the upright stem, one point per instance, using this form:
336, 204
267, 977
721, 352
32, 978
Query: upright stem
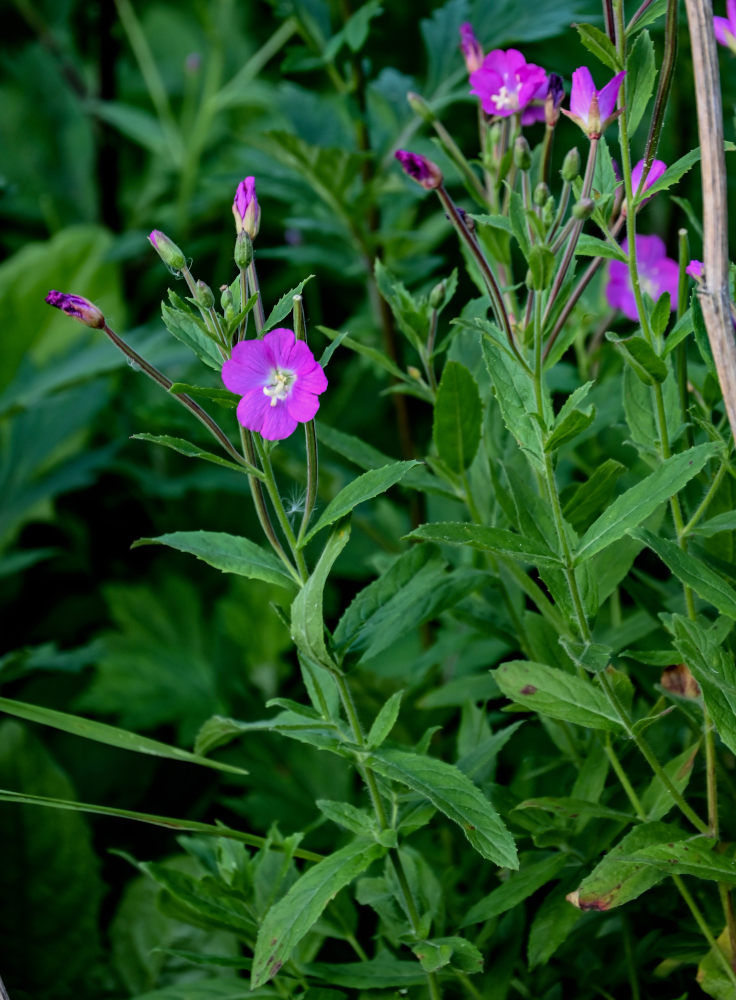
310, 437
258, 314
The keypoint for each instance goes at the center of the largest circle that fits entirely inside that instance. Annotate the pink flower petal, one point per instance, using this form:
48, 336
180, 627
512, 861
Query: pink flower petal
312, 379
581, 93
608, 96
724, 30
252, 409
249, 368
302, 404
278, 423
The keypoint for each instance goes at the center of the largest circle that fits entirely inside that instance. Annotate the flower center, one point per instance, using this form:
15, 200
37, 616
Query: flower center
279, 385
505, 98
650, 287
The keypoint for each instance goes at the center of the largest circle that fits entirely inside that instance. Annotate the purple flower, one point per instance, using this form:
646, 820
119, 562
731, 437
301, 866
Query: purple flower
78, 308
593, 110
657, 274
553, 99
420, 169
725, 27
470, 47
656, 170
506, 83
246, 209
279, 381
695, 270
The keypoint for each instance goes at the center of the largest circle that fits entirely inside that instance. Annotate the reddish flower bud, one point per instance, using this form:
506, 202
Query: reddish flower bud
470, 47
420, 169
246, 209
78, 308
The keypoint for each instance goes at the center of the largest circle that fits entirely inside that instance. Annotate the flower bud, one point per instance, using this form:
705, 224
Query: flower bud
204, 295
78, 308
420, 107
420, 169
167, 250
541, 267
553, 100
470, 47
571, 165
548, 211
226, 303
243, 250
541, 194
695, 270
522, 154
437, 295
583, 209
413, 372
246, 210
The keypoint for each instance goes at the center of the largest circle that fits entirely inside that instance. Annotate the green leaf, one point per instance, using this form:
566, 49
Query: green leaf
294, 914
693, 572
519, 887
378, 973
637, 503
721, 522
591, 246
557, 694
190, 330
221, 988
412, 314
167, 822
514, 392
370, 484
385, 720
223, 397
194, 451
682, 329
358, 821
692, 857
714, 671
377, 357
478, 536
52, 875
584, 503
679, 168
228, 553
571, 426
415, 589
457, 417
284, 306
616, 880
453, 794
640, 77
597, 42
657, 799
100, 732
142, 127
552, 925
517, 218
651, 14
307, 622
715, 972
661, 314
642, 357
306, 728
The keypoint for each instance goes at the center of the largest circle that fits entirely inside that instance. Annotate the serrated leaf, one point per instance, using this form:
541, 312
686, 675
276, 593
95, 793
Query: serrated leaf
457, 417
294, 914
385, 720
591, 246
640, 77
370, 484
411, 313
228, 553
100, 732
284, 305
616, 880
657, 799
679, 168
455, 795
571, 426
593, 495
557, 694
714, 671
693, 572
218, 730
597, 42
514, 392
190, 330
694, 857
358, 821
528, 880
478, 536
223, 397
645, 362
648, 15
382, 972
307, 622
628, 511
194, 451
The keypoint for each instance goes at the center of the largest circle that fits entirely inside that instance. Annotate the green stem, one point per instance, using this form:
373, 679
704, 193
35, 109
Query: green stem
258, 314
310, 436
706, 501
278, 507
624, 779
681, 349
705, 929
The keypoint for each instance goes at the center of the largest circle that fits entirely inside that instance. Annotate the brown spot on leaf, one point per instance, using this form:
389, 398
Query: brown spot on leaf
528, 689
678, 680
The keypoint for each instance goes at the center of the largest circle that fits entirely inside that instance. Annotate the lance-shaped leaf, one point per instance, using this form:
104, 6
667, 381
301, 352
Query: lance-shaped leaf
457, 416
478, 536
455, 795
692, 572
370, 484
295, 913
557, 694
284, 305
519, 887
228, 553
694, 856
617, 880
190, 330
100, 732
190, 450
636, 504
714, 671
307, 623
514, 391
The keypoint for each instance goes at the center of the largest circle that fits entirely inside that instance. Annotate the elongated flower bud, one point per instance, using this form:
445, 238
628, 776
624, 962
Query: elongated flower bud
78, 308
204, 296
571, 165
243, 250
522, 154
420, 169
470, 47
583, 209
167, 250
246, 210
420, 107
553, 100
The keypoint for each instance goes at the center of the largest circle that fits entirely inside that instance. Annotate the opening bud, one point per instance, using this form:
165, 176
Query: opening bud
571, 165
78, 308
204, 295
243, 250
167, 250
246, 210
553, 100
420, 169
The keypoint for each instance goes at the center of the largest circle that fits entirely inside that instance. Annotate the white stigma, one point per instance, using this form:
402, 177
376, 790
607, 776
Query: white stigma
505, 98
650, 287
279, 385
